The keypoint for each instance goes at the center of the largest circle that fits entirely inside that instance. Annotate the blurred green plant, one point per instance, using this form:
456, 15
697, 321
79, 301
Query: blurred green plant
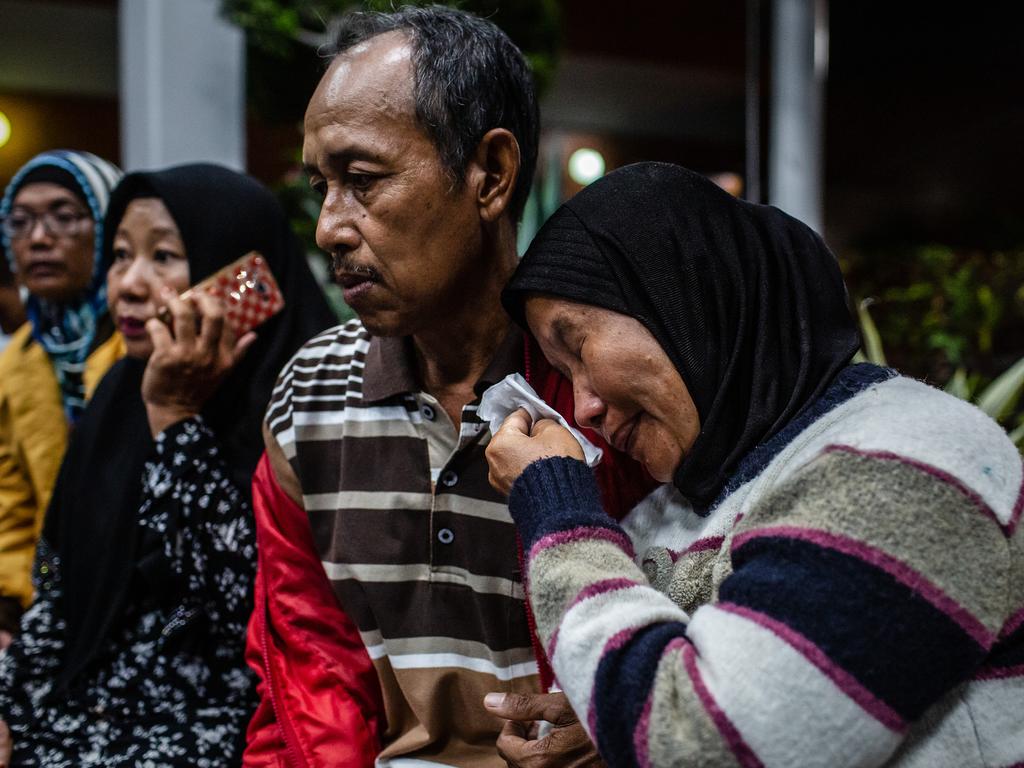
940, 309
999, 398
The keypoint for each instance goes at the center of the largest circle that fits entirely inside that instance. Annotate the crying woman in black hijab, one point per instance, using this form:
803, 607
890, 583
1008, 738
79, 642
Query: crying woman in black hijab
840, 588
133, 649
743, 307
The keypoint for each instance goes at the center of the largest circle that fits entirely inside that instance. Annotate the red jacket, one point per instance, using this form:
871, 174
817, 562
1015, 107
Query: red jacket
320, 704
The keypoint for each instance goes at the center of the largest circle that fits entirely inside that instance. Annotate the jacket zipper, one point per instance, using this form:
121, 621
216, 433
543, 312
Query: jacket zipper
295, 757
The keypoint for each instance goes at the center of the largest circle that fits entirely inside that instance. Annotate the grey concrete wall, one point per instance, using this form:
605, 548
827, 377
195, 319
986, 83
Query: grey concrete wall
182, 74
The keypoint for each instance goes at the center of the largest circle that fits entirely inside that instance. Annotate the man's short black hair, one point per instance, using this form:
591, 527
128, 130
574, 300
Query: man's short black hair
469, 78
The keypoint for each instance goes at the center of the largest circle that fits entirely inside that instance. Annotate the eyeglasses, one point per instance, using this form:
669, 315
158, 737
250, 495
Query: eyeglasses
62, 222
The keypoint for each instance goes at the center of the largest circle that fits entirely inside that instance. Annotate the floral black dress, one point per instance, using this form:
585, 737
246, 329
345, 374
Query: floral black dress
171, 687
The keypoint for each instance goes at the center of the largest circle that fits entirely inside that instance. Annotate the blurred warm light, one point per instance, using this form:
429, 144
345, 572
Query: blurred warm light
730, 182
5, 129
586, 165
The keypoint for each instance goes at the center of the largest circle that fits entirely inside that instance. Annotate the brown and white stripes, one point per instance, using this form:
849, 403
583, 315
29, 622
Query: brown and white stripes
420, 550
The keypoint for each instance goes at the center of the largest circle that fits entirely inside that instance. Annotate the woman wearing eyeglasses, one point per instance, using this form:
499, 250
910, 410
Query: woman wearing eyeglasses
51, 218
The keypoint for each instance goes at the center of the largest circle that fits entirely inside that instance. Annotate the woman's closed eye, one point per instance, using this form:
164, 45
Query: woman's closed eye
578, 346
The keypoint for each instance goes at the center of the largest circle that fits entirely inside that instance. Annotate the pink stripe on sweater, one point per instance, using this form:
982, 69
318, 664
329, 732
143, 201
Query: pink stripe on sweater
702, 545
940, 474
553, 644
1012, 624
582, 533
843, 680
1000, 673
591, 590
899, 570
603, 586
742, 751
640, 733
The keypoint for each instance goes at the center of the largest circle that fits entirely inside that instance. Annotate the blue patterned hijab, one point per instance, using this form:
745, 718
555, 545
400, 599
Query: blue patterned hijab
67, 331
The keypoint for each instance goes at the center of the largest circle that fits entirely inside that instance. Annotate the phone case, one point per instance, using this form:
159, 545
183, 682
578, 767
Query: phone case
248, 289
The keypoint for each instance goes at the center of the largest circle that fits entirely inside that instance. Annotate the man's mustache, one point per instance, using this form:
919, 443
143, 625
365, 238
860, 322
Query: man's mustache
345, 265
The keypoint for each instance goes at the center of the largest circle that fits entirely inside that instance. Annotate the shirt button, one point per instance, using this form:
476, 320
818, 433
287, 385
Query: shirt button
428, 412
445, 536
449, 478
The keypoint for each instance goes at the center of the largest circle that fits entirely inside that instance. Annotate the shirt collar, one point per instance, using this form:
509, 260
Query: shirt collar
390, 369
391, 366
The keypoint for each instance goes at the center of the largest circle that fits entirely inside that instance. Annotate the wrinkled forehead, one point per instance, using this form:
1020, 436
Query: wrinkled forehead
372, 80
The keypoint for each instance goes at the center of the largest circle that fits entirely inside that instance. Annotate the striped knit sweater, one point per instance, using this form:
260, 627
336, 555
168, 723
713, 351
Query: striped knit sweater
854, 598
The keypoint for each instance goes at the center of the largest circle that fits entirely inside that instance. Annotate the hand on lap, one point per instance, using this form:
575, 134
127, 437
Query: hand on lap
520, 744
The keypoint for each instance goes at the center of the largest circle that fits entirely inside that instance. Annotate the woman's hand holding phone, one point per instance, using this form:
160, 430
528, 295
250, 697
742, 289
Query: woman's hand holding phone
190, 359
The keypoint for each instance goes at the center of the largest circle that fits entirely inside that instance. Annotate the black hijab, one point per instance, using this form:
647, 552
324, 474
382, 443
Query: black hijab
747, 302
91, 523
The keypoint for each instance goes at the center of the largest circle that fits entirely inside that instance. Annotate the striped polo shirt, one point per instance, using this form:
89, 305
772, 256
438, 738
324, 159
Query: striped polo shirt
419, 549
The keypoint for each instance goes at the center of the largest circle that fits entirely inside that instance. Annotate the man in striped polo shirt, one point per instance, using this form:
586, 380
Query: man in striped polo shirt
422, 140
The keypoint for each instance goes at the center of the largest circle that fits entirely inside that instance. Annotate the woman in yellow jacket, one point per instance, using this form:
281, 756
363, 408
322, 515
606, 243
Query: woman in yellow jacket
52, 216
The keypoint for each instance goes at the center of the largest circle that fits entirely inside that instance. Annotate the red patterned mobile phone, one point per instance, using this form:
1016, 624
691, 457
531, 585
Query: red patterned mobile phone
248, 289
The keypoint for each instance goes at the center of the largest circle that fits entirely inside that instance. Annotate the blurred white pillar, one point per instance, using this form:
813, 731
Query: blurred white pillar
797, 129
182, 72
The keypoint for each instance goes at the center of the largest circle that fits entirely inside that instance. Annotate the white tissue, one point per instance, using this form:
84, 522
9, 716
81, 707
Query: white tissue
512, 393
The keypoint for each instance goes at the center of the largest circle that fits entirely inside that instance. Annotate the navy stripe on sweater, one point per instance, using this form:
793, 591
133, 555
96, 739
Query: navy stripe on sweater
898, 645
624, 680
556, 494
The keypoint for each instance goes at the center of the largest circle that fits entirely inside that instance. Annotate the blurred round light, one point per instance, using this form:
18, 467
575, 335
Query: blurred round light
586, 165
5, 129
730, 182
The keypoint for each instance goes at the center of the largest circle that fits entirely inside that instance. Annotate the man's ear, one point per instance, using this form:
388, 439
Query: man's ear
493, 172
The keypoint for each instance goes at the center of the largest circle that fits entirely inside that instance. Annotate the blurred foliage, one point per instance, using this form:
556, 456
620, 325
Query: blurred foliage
939, 308
285, 37
949, 316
